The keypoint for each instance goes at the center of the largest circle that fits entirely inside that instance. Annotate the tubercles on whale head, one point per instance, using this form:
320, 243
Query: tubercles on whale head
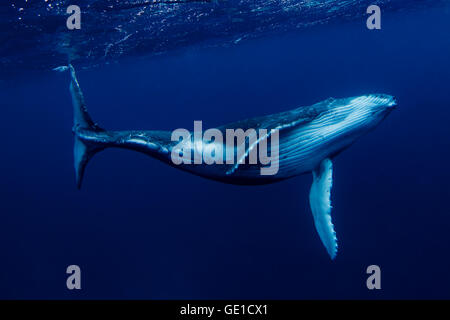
373, 108
375, 101
383, 104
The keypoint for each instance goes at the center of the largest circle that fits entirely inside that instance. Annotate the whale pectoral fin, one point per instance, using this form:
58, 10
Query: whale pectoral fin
319, 198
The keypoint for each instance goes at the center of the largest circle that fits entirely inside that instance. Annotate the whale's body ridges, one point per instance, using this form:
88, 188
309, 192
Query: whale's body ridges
309, 137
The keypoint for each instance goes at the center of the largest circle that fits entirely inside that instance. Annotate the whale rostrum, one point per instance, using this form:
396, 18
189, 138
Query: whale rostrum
307, 139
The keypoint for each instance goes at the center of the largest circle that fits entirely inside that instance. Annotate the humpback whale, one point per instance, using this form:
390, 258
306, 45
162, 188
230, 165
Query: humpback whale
309, 138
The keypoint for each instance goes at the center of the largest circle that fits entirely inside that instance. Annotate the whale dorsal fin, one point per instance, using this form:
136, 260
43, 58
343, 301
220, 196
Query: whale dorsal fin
319, 198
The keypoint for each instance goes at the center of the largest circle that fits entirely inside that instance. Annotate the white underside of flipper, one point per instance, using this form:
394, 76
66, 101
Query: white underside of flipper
319, 198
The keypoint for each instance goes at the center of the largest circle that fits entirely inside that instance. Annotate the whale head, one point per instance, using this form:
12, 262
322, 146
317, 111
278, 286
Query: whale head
356, 115
343, 121
368, 111
379, 105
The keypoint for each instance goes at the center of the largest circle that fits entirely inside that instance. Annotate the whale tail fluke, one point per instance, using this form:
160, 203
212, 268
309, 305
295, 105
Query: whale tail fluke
82, 122
81, 117
82, 153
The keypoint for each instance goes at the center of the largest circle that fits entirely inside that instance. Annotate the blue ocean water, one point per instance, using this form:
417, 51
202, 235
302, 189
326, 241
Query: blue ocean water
142, 230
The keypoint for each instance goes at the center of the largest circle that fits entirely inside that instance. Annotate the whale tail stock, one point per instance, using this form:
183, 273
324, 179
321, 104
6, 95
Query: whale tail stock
82, 123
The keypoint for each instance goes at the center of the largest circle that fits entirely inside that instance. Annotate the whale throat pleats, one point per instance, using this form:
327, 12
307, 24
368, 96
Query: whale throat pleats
320, 202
